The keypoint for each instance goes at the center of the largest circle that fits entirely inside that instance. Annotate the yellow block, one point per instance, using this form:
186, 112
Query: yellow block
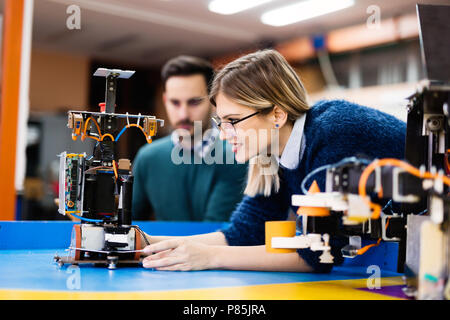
279, 229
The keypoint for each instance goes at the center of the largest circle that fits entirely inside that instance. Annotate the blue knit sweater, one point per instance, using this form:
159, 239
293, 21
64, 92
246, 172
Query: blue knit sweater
333, 130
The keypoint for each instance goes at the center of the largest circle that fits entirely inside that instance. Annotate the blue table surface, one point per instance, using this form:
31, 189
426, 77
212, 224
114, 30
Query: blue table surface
27, 250
34, 270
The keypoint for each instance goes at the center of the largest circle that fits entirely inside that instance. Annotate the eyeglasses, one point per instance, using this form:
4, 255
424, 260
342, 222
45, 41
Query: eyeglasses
228, 126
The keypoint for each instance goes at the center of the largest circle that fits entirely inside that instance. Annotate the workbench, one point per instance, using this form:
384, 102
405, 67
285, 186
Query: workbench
27, 271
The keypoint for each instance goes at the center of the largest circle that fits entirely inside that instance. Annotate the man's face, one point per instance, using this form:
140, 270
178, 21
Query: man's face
186, 101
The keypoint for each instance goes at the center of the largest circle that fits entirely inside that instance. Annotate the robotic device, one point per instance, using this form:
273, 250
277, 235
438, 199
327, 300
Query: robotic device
98, 189
357, 202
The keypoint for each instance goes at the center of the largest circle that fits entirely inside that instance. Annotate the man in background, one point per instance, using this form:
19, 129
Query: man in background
174, 178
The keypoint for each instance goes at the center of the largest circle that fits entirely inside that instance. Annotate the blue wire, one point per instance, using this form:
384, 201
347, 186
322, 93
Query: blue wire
120, 133
423, 212
85, 219
311, 174
327, 166
389, 204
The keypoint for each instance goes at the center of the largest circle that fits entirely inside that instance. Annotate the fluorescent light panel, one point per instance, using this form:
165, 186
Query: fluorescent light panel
233, 6
302, 11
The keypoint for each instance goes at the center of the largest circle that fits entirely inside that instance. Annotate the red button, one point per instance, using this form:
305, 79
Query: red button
102, 106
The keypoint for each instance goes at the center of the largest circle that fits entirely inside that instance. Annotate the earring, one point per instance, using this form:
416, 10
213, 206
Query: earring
276, 126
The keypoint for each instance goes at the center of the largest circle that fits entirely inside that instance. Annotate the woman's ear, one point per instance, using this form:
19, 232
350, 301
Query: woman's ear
280, 117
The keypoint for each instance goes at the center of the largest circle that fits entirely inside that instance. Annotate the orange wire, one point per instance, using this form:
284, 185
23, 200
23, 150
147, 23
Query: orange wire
96, 124
364, 249
107, 134
396, 163
447, 165
85, 135
137, 126
71, 217
91, 137
149, 140
115, 169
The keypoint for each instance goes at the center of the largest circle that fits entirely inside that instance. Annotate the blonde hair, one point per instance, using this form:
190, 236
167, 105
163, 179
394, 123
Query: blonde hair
261, 80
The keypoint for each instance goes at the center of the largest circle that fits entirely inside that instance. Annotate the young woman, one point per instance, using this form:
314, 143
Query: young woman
261, 93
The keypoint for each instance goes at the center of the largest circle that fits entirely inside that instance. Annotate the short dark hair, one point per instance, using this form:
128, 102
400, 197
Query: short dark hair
186, 66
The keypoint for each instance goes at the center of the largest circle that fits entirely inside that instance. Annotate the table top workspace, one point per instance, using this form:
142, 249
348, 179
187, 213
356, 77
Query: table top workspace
28, 271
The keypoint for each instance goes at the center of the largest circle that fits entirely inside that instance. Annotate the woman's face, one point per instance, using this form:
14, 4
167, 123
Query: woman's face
251, 136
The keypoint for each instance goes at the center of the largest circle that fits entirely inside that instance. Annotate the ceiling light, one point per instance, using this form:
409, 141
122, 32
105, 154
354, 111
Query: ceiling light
233, 6
302, 11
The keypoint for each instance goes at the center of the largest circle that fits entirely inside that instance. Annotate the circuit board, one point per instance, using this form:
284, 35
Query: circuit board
70, 193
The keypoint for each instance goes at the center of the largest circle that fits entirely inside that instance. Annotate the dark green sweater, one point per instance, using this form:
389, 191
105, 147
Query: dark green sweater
184, 192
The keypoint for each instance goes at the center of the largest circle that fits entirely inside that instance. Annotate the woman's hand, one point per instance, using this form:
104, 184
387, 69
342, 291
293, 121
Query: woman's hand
179, 254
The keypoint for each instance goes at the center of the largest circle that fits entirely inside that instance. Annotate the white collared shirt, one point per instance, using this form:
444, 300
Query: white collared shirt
290, 158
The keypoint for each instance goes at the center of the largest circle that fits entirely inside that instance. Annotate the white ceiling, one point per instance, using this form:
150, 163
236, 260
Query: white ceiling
148, 32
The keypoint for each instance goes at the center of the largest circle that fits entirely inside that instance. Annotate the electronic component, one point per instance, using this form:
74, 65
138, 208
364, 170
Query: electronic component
98, 189
70, 183
360, 193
